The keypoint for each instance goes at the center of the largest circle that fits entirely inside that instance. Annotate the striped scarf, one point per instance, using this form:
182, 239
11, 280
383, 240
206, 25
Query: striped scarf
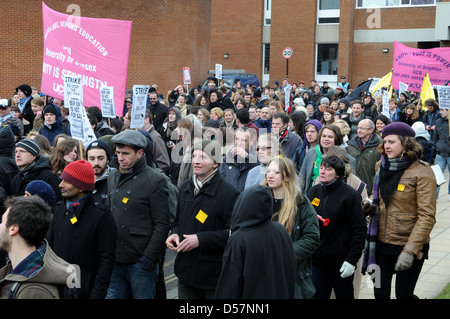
198, 184
388, 175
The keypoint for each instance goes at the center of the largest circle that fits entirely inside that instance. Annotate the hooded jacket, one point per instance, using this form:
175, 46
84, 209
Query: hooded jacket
40, 169
258, 261
301, 151
43, 284
8, 167
50, 131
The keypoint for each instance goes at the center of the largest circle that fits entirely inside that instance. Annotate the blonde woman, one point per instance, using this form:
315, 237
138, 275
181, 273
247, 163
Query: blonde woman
294, 211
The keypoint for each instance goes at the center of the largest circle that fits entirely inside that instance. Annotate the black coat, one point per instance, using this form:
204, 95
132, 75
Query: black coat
90, 243
259, 261
343, 238
40, 169
201, 267
159, 112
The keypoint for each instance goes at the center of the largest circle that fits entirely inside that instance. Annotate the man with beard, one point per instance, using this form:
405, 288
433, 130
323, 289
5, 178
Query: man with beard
98, 154
83, 230
158, 110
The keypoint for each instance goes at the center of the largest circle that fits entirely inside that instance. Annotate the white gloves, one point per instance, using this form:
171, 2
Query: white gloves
347, 269
404, 261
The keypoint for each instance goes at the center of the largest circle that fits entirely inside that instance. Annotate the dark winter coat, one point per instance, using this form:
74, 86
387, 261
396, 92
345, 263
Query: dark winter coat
234, 169
366, 158
201, 267
139, 202
259, 261
89, 241
343, 238
441, 138
50, 131
40, 169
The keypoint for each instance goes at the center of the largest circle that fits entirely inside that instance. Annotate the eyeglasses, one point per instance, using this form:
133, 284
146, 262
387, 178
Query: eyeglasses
263, 148
363, 128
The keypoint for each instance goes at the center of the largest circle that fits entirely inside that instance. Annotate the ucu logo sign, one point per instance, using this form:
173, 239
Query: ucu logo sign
58, 88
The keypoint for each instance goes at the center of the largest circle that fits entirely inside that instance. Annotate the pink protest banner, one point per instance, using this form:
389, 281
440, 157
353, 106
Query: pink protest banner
95, 49
410, 66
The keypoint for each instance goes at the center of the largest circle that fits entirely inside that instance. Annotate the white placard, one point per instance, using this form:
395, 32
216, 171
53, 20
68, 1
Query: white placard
73, 85
402, 87
444, 96
218, 71
107, 101
80, 127
386, 96
287, 96
186, 75
139, 105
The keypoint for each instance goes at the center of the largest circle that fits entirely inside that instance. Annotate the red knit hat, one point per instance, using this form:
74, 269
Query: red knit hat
80, 174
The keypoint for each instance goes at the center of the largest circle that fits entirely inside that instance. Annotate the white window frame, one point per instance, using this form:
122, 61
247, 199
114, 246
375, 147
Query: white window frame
334, 13
330, 78
397, 6
267, 12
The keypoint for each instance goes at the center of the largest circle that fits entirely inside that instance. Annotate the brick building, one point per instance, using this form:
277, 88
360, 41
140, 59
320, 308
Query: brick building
166, 36
329, 38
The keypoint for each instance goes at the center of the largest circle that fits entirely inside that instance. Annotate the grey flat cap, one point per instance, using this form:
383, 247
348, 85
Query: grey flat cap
130, 137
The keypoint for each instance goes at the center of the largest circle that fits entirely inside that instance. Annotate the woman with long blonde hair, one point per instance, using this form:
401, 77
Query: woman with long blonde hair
294, 211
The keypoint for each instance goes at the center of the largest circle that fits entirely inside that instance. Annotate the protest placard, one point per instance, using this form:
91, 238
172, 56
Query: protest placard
139, 105
107, 101
95, 49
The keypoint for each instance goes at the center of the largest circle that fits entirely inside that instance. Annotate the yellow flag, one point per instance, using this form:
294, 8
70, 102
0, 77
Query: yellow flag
390, 92
385, 81
426, 91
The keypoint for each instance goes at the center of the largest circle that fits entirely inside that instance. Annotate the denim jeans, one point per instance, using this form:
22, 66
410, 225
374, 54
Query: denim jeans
442, 162
132, 281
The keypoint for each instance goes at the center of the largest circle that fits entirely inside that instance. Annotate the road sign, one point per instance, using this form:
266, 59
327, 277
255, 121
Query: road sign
287, 53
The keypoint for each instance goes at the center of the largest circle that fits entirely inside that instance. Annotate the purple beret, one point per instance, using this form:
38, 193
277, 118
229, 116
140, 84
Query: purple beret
398, 128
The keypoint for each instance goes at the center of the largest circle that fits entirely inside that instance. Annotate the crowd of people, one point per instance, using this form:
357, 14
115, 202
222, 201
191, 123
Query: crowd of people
260, 199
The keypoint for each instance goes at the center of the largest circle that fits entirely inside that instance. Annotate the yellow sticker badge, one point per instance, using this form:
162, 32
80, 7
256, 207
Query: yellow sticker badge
401, 187
201, 216
315, 202
73, 220
125, 200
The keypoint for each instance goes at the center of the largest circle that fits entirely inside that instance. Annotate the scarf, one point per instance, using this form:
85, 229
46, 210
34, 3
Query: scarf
384, 184
23, 103
32, 264
71, 206
6, 117
198, 184
317, 163
283, 135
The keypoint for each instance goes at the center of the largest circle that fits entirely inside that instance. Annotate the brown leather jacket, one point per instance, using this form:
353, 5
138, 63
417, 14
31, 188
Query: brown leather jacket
410, 216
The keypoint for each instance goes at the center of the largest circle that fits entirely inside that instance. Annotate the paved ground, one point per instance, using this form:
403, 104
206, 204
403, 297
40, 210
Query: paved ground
435, 273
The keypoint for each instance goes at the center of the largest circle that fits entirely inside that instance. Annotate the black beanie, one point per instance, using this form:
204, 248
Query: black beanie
50, 108
25, 88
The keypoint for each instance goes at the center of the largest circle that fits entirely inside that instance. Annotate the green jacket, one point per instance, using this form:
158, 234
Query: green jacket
139, 202
306, 239
366, 158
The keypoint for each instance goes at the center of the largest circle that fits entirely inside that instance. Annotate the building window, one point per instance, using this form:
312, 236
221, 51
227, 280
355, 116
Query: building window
266, 58
327, 60
267, 12
328, 11
394, 3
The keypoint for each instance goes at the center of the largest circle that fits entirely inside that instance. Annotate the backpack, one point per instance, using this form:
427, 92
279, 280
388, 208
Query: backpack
64, 291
